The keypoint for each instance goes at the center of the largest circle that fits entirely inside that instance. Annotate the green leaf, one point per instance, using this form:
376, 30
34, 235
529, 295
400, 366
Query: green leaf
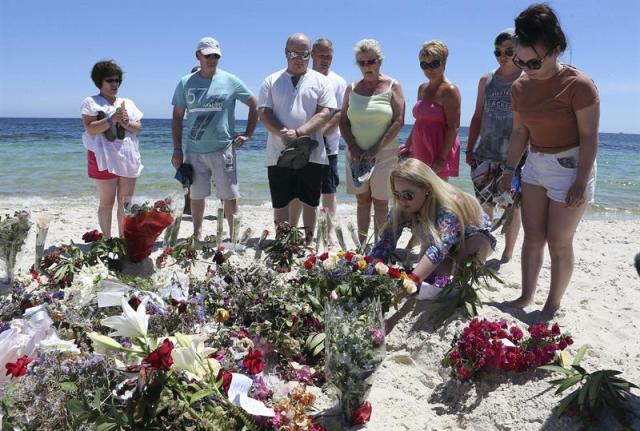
105, 423
76, 407
97, 400
470, 309
568, 382
69, 387
200, 395
580, 355
558, 369
594, 388
566, 401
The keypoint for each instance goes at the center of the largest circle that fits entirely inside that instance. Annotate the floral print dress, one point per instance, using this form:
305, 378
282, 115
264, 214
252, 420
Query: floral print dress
450, 231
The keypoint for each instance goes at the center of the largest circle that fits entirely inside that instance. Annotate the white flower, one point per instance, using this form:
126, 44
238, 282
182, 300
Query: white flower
191, 356
381, 268
125, 389
54, 344
103, 344
132, 324
409, 286
329, 264
334, 295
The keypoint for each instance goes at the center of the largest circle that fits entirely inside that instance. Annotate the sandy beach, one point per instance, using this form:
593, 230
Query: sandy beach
600, 309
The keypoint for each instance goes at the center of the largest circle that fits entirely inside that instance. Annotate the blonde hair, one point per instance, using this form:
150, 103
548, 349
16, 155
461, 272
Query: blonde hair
369, 45
424, 223
435, 49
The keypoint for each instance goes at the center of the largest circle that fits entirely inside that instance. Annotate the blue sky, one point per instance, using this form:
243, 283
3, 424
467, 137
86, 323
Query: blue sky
47, 48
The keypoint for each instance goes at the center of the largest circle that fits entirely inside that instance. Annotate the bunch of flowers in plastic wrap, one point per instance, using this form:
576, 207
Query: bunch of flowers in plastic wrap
355, 347
13, 234
143, 225
346, 275
493, 344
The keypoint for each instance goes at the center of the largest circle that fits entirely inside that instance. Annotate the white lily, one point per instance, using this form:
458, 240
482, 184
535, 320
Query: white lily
55, 344
103, 344
132, 324
192, 357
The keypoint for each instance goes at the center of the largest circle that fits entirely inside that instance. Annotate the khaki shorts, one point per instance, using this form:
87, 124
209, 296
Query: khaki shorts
378, 184
221, 166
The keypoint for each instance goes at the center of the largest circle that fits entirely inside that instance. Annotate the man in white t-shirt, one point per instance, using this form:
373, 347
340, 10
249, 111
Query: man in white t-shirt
295, 102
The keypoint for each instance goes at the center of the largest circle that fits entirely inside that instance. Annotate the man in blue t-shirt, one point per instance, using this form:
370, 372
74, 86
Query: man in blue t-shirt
208, 97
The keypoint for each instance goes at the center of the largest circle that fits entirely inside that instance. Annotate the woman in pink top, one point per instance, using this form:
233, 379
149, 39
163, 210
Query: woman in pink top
434, 137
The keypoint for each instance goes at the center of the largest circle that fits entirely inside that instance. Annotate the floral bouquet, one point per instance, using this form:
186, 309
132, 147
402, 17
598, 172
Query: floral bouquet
492, 344
13, 234
355, 347
287, 247
143, 226
346, 275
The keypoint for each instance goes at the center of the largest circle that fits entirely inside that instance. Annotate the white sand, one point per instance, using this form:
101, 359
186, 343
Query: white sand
600, 308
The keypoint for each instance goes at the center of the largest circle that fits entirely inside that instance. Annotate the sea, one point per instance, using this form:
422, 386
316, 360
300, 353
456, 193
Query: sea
43, 160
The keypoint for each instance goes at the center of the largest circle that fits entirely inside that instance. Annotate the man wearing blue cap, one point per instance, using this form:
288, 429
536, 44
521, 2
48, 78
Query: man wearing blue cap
208, 97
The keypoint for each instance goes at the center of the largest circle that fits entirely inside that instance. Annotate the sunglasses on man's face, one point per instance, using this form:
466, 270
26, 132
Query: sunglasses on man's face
211, 56
533, 64
430, 65
113, 80
363, 63
507, 52
405, 195
292, 55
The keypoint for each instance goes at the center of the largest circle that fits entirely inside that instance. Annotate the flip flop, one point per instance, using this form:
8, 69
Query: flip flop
107, 133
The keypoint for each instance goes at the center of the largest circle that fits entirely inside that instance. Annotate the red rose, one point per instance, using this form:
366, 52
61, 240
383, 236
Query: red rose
19, 367
134, 302
348, 256
555, 329
92, 235
562, 344
161, 357
225, 376
362, 414
160, 205
253, 361
309, 262
324, 256
368, 259
244, 333
394, 272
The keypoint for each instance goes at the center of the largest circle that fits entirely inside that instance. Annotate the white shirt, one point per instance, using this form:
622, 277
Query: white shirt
120, 157
339, 87
294, 106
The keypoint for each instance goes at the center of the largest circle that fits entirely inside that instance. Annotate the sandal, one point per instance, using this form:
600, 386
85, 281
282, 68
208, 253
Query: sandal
107, 133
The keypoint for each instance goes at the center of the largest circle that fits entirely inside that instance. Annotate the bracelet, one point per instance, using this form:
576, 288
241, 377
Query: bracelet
509, 169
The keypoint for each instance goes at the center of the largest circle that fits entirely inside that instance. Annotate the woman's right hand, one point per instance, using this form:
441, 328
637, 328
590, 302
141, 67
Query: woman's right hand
355, 153
505, 181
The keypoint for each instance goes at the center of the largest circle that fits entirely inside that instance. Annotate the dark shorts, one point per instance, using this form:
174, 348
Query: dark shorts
287, 184
330, 178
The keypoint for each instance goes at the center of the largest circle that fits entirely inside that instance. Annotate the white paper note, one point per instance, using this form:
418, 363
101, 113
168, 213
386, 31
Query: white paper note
238, 394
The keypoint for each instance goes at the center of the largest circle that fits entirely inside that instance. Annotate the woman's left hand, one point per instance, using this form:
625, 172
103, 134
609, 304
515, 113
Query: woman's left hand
575, 195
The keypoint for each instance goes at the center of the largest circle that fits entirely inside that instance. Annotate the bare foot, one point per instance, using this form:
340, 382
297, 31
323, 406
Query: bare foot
519, 303
548, 313
505, 259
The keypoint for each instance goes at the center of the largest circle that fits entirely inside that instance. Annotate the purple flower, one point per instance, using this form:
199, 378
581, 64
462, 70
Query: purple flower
377, 337
58, 295
441, 281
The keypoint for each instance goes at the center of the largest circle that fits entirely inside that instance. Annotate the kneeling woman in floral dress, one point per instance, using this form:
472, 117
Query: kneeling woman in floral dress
448, 222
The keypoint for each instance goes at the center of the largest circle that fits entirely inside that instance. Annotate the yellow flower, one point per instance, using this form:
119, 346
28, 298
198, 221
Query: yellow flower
362, 264
409, 286
221, 315
341, 254
403, 276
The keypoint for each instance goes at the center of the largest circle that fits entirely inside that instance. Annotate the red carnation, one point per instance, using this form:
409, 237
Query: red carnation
555, 329
253, 361
362, 414
161, 357
348, 256
19, 367
562, 344
394, 273
92, 235
226, 379
324, 256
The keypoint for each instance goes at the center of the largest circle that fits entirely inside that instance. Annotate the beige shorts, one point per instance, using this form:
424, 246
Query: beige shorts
219, 166
378, 184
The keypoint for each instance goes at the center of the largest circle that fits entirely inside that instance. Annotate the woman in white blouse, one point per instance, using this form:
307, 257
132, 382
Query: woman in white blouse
111, 126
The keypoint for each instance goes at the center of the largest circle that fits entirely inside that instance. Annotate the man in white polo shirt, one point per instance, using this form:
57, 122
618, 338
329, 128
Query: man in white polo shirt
295, 102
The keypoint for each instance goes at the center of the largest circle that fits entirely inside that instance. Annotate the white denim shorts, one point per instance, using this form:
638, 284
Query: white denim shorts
221, 166
557, 173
